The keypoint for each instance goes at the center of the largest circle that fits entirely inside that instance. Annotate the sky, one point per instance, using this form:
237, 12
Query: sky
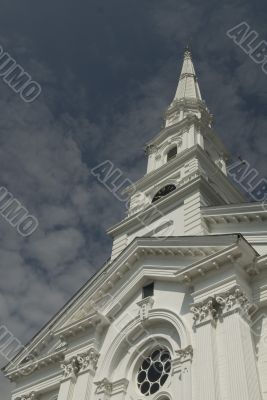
108, 70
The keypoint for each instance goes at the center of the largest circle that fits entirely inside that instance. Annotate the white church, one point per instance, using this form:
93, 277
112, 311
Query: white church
179, 312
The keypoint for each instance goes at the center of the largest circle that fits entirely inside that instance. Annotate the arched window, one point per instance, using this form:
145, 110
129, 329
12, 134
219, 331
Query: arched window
163, 192
171, 153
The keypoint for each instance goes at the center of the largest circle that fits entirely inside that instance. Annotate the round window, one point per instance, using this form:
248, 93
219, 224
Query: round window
154, 372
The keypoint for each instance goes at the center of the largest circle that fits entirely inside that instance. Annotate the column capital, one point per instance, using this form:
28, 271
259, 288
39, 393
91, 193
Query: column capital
218, 305
88, 360
235, 300
70, 368
204, 311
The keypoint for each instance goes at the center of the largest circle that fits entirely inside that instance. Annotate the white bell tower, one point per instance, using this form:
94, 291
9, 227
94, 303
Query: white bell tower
186, 170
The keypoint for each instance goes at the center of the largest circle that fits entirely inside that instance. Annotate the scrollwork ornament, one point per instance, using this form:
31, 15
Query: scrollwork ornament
88, 360
234, 299
204, 310
70, 368
185, 354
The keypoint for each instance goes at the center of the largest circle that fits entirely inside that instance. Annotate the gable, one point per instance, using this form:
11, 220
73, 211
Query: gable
117, 283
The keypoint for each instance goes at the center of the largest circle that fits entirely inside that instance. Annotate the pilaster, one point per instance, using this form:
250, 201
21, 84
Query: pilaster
70, 370
243, 383
205, 352
231, 310
87, 363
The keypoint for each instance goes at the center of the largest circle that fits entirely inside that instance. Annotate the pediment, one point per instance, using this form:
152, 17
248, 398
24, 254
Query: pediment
93, 307
179, 259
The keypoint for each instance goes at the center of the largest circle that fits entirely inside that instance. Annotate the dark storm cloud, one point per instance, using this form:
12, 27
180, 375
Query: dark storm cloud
108, 70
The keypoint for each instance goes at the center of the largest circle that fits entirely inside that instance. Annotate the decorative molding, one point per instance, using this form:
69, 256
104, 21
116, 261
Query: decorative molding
204, 310
184, 355
70, 368
120, 386
93, 320
233, 300
145, 305
88, 360
150, 149
104, 386
63, 345
26, 370
82, 362
30, 396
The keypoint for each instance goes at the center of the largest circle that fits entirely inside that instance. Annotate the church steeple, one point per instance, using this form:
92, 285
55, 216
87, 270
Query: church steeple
188, 85
186, 170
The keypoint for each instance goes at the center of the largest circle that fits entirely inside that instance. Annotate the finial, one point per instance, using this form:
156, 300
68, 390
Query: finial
187, 52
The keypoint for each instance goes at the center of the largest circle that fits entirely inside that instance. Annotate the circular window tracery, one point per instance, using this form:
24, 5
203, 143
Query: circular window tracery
154, 372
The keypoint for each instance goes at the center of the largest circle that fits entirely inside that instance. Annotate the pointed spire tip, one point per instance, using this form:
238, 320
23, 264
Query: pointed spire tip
187, 52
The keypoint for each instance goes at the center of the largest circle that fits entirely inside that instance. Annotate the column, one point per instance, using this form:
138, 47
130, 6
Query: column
87, 363
70, 369
206, 368
242, 377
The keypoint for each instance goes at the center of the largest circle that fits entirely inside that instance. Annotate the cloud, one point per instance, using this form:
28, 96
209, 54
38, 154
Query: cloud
108, 72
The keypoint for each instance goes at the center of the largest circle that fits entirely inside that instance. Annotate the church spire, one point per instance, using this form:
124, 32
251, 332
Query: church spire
188, 85
187, 99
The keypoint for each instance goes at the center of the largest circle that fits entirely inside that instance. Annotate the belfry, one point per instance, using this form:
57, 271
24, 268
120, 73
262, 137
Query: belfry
179, 311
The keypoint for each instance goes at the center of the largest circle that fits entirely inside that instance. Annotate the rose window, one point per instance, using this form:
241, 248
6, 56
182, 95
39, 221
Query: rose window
154, 372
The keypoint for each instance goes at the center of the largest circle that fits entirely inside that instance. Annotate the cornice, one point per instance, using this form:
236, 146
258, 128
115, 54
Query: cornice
234, 213
164, 170
169, 130
240, 253
29, 368
91, 321
170, 202
259, 266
